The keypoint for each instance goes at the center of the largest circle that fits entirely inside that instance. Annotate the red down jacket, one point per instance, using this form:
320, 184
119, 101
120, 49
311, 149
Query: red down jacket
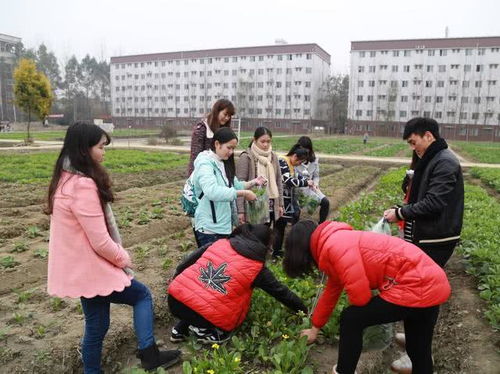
360, 261
218, 286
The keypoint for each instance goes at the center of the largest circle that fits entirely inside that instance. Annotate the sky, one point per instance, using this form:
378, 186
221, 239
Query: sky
105, 28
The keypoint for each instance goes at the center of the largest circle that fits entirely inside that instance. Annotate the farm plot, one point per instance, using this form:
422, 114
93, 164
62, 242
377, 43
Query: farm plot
479, 151
41, 334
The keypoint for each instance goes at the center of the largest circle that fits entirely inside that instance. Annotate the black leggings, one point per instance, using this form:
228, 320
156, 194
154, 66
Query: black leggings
440, 254
324, 209
418, 323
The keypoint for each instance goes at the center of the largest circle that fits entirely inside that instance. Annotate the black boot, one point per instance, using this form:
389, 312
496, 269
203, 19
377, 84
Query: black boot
152, 358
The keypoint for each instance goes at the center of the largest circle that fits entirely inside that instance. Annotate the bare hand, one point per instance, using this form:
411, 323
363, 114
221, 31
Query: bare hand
390, 215
280, 211
310, 183
311, 334
241, 218
250, 196
260, 181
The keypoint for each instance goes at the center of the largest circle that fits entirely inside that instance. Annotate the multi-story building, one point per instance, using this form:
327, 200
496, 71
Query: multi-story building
277, 86
8, 47
453, 80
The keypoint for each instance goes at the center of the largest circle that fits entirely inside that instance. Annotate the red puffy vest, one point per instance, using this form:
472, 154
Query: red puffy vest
218, 286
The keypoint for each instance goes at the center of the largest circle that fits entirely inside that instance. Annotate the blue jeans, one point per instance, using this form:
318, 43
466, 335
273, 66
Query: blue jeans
204, 239
96, 311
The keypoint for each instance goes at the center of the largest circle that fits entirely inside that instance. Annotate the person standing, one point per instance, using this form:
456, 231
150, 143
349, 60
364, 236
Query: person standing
203, 131
290, 180
434, 192
214, 179
86, 258
310, 169
260, 160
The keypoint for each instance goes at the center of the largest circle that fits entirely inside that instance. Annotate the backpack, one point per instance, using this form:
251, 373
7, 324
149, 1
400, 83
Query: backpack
189, 201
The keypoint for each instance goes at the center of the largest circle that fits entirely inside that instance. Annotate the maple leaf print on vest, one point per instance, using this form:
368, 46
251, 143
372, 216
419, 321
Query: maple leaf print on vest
214, 277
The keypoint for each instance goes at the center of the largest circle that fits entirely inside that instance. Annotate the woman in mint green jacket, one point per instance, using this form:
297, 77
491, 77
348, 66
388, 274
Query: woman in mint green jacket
217, 188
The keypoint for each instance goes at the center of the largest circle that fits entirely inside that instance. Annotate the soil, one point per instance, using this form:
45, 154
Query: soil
41, 334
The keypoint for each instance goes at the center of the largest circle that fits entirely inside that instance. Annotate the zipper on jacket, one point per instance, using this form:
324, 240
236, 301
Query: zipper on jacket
390, 282
212, 208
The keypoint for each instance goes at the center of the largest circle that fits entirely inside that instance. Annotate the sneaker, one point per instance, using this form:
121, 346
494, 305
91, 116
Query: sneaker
402, 365
400, 339
210, 336
177, 337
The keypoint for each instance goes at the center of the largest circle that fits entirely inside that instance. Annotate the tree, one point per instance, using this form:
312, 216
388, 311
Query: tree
71, 84
335, 97
47, 64
32, 91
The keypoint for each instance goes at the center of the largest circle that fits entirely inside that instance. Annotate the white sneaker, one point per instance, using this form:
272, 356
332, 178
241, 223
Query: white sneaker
400, 339
402, 365
334, 370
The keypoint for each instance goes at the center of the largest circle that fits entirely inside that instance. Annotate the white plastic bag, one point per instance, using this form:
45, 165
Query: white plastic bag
382, 227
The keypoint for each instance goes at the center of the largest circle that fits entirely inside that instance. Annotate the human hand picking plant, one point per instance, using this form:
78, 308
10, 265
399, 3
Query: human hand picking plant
259, 181
311, 334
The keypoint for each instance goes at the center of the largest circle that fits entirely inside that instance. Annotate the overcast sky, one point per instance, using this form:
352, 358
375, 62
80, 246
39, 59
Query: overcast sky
106, 28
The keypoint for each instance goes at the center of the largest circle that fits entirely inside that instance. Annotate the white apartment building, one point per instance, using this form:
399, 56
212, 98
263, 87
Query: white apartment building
277, 86
8, 48
453, 80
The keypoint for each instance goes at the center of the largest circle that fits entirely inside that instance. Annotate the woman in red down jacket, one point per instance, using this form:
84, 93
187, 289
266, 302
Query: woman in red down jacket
410, 285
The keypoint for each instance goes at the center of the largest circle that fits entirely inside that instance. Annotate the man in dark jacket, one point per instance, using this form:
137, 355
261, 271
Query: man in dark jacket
434, 197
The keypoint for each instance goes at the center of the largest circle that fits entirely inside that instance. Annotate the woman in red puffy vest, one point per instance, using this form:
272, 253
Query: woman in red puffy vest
410, 286
212, 288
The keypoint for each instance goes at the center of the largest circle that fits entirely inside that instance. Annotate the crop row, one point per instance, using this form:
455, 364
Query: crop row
38, 167
490, 177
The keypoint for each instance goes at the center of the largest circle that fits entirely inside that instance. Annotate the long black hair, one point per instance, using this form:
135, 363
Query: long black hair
260, 131
301, 152
259, 232
298, 260
306, 142
80, 138
224, 135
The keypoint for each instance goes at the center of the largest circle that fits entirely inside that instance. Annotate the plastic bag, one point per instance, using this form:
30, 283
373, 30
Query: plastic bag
382, 227
379, 336
309, 200
257, 211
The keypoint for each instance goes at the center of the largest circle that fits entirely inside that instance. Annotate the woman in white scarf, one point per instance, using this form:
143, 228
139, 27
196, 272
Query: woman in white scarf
260, 160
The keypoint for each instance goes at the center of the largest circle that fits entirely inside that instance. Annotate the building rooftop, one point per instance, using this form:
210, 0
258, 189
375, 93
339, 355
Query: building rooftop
473, 42
226, 52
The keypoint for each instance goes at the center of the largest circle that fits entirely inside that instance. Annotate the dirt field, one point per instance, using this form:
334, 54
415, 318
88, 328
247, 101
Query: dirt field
39, 334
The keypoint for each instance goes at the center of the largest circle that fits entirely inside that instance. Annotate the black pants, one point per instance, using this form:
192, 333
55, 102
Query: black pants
186, 316
418, 323
324, 209
279, 231
440, 254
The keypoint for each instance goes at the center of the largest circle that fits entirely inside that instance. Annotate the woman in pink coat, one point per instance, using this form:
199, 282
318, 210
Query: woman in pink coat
86, 258
410, 286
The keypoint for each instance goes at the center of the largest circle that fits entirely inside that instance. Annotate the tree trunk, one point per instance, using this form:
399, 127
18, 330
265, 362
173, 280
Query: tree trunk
29, 123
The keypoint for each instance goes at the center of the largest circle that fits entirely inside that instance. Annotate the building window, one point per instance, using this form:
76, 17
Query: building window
464, 100
361, 83
394, 68
463, 115
478, 84
430, 68
465, 84
371, 83
406, 68
359, 98
373, 53
404, 83
362, 54
371, 68
428, 99
428, 84
402, 113
361, 69
431, 52
359, 113
395, 53
404, 99
442, 52
475, 115
407, 53
439, 99
369, 98
440, 84
438, 115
